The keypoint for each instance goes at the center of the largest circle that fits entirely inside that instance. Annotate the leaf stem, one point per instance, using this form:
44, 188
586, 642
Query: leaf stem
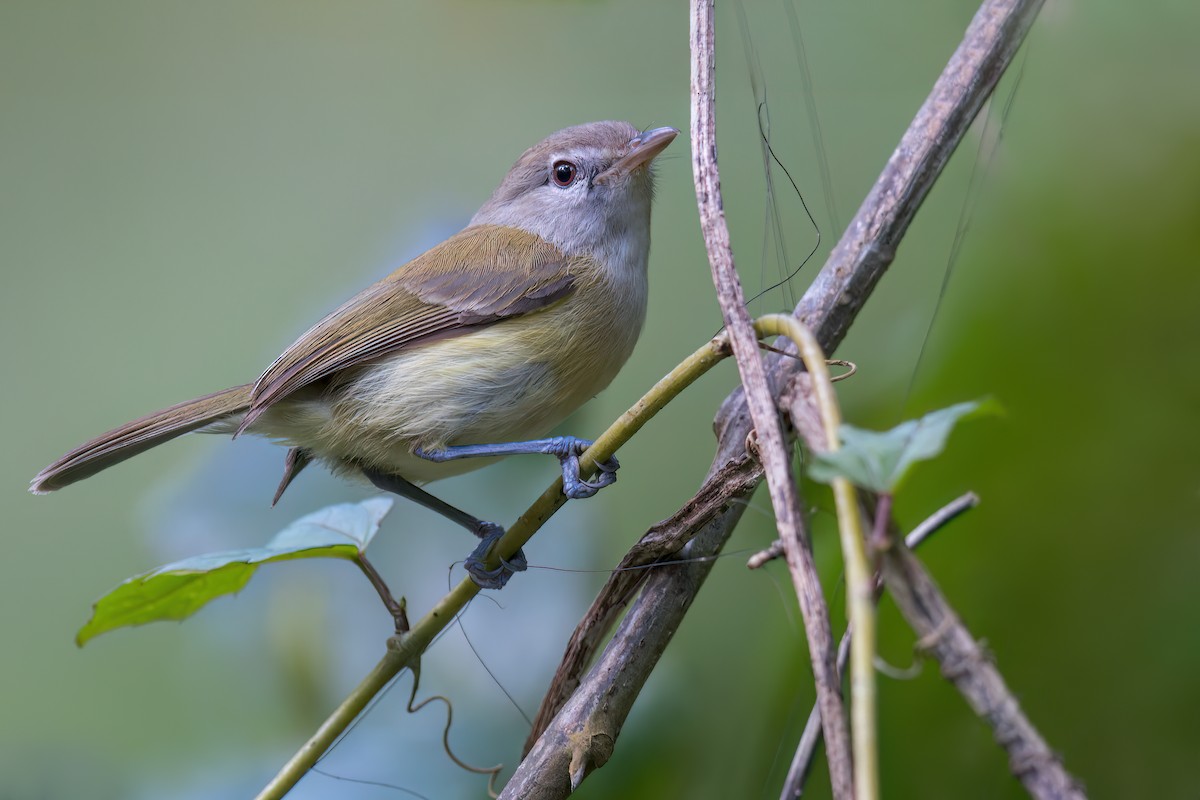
883, 515
394, 607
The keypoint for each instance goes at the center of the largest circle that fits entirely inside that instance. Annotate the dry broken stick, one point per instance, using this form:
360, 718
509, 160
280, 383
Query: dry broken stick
942, 635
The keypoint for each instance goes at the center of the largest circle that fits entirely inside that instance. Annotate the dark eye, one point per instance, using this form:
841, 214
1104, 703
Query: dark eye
564, 173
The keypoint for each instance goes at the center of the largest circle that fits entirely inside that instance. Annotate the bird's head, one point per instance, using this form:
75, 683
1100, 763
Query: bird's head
586, 189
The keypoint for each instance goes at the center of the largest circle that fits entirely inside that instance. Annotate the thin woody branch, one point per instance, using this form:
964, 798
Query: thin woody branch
828, 308
964, 663
774, 450
733, 483
868, 246
404, 650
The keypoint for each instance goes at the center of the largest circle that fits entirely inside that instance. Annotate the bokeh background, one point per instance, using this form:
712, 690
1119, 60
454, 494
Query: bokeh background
185, 187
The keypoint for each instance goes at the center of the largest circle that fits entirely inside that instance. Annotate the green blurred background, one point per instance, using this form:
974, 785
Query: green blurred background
184, 187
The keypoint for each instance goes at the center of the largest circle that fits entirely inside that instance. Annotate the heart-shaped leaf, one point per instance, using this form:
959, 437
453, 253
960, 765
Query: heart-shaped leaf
880, 460
178, 590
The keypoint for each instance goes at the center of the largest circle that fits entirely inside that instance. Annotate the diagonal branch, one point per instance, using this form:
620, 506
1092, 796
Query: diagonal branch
733, 483
828, 308
868, 246
964, 663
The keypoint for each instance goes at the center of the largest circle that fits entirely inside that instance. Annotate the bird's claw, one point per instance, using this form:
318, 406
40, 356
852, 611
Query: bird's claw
575, 487
476, 564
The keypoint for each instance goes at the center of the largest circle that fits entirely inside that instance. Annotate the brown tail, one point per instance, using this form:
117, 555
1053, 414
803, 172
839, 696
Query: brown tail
138, 436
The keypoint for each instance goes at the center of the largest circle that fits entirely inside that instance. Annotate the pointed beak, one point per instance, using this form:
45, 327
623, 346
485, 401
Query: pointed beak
642, 151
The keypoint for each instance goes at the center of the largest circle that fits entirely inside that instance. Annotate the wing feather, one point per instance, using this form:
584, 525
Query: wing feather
480, 276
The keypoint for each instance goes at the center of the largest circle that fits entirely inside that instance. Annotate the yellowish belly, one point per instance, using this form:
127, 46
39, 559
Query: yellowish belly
512, 381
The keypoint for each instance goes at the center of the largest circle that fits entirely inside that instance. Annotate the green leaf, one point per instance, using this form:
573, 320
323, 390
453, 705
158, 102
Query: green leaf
881, 460
176, 591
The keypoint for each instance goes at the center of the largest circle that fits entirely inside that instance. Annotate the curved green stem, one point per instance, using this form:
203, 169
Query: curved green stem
405, 650
859, 586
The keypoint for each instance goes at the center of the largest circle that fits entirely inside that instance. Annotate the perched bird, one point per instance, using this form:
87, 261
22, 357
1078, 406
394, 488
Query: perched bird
469, 352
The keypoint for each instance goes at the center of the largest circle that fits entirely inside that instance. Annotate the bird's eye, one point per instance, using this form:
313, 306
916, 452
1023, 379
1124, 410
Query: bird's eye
564, 173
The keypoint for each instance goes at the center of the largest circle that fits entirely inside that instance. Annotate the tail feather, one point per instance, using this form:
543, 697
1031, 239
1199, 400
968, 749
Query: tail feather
138, 436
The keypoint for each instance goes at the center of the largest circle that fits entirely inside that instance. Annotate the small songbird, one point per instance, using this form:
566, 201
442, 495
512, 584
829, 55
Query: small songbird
471, 351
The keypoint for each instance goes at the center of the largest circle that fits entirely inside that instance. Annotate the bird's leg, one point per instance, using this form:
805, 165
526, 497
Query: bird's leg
566, 449
488, 532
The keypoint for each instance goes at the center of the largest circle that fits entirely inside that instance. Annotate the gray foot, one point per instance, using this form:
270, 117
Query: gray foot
489, 533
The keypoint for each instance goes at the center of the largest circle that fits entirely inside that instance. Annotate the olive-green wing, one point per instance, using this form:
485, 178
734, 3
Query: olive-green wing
480, 276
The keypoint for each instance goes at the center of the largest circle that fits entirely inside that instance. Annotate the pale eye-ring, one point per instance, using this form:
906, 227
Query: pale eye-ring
564, 173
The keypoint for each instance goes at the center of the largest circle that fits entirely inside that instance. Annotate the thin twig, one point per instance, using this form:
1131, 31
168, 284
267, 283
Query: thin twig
941, 518
806, 751
405, 651
883, 515
299, 765
942, 635
395, 608
774, 451
769, 553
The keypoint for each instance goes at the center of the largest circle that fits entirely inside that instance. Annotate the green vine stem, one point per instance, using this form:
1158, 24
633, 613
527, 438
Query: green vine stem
405, 650
859, 586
